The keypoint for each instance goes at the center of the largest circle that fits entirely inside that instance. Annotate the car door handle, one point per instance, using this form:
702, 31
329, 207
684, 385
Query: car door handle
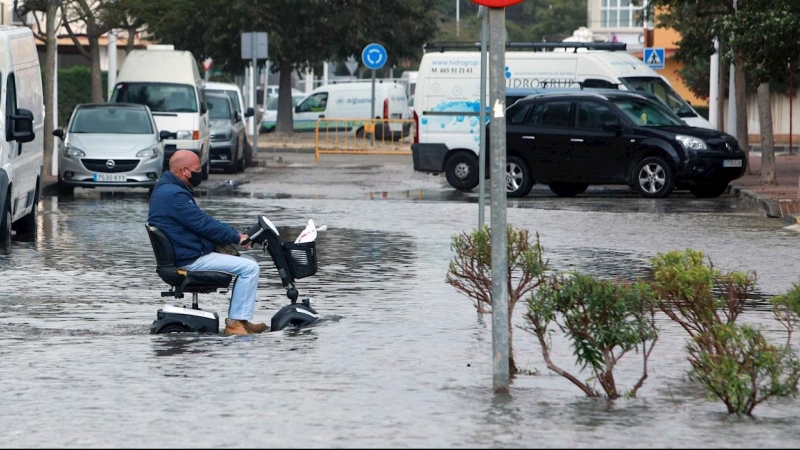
576, 140
529, 137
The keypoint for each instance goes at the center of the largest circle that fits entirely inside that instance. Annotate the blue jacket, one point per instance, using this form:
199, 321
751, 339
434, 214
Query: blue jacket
191, 231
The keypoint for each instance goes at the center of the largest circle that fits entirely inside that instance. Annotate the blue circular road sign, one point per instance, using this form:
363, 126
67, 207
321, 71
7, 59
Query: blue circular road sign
374, 56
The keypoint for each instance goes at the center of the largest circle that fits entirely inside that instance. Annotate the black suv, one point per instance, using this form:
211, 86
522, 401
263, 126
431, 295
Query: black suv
572, 140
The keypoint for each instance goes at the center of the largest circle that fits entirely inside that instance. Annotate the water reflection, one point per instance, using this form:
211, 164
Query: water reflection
399, 359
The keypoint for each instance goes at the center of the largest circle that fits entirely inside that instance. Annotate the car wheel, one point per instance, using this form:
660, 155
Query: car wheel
653, 178
461, 171
248, 153
567, 189
65, 190
233, 165
709, 190
5, 229
26, 226
241, 163
206, 169
519, 179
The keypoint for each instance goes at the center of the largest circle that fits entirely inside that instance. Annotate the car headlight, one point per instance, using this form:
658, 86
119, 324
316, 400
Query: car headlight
691, 142
183, 134
70, 151
151, 153
221, 136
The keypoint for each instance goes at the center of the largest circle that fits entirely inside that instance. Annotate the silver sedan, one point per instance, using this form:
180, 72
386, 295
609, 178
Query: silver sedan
110, 144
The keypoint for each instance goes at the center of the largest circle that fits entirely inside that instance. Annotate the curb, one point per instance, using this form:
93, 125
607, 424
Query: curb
768, 206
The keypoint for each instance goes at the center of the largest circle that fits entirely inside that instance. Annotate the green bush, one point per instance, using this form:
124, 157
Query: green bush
74, 88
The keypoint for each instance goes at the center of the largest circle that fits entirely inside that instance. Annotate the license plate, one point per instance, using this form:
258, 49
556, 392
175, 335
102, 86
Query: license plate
106, 177
732, 163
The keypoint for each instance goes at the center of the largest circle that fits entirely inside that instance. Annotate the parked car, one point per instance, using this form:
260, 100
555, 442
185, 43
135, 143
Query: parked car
235, 94
227, 137
270, 117
572, 140
110, 144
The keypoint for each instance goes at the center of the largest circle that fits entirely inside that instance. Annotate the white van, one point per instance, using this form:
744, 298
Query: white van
21, 151
169, 83
353, 101
446, 105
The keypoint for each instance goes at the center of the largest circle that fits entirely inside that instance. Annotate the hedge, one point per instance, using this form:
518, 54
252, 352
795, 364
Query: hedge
74, 88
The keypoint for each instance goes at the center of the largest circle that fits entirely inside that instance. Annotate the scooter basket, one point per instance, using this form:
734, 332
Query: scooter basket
302, 258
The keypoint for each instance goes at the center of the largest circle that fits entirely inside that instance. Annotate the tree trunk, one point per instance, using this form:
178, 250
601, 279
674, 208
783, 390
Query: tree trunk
767, 139
741, 111
285, 123
50, 119
97, 76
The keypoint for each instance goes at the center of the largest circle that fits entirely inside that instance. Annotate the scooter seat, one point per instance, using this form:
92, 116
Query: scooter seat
201, 281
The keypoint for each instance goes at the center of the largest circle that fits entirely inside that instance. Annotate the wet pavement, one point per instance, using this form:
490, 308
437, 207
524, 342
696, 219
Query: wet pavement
401, 359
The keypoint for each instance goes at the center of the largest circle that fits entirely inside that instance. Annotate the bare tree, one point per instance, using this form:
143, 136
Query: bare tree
92, 16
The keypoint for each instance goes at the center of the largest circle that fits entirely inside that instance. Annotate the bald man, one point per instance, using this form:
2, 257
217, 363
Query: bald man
193, 235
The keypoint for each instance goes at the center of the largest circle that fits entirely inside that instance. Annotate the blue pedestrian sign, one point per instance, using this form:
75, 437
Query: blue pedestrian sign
654, 57
374, 56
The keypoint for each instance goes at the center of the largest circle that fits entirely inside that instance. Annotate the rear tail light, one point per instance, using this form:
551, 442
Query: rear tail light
416, 128
195, 135
386, 108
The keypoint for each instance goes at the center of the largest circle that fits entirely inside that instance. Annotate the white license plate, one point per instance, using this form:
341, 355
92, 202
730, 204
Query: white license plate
106, 177
732, 163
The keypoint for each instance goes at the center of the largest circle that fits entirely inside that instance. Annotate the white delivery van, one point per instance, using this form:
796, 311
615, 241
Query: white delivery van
353, 101
169, 83
446, 104
22, 122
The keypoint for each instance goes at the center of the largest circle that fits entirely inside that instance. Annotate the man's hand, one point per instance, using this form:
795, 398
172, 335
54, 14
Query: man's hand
243, 237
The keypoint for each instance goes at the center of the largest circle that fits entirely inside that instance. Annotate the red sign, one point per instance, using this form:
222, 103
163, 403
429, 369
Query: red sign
497, 3
207, 63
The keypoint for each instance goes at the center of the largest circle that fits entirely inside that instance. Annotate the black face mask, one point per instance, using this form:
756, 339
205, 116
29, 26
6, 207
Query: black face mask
196, 178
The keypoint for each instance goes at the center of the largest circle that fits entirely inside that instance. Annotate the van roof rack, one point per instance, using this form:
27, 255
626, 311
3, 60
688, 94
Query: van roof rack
535, 46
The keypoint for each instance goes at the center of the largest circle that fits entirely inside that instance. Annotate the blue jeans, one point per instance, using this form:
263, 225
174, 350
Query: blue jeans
243, 298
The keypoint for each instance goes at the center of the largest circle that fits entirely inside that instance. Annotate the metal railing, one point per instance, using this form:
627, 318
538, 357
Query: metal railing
363, 136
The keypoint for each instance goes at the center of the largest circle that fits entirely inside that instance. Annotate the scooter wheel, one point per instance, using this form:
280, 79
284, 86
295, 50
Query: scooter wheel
174, 328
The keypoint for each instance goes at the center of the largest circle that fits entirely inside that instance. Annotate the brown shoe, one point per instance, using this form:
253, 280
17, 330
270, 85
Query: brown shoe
255, 327
236, 327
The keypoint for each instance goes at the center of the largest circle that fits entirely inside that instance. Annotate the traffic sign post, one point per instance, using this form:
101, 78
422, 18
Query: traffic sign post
255, 46
653, 57
374, 57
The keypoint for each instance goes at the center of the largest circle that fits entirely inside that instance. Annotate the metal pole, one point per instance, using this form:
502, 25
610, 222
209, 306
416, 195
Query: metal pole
254, 76
372, 116
497, 123
732, 95
791, 85
458, 18
713, 111
482, 154
54, 165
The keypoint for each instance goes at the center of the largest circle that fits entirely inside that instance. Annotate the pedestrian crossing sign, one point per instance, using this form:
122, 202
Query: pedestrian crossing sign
654, 57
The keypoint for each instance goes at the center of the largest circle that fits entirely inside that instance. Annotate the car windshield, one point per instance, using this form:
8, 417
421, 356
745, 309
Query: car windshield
661, 89
111, 121
648, 113
160, 97
219, 107
231, 95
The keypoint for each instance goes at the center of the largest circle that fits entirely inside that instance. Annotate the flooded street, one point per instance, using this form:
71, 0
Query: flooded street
401, 359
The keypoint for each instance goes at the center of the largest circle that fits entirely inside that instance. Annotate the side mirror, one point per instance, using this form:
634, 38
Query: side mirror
297, 109
612, 126
59, 133
22, 126
164, 134
249, 112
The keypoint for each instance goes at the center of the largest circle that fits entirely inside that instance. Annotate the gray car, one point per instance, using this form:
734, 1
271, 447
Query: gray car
110, 144
227, 142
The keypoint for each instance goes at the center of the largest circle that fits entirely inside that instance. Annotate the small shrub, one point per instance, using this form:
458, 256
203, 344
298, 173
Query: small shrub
603, 319
735, 363
470, 271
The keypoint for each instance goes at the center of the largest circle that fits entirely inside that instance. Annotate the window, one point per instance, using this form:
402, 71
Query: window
160, 97
621, 14
648, 113
111, 121
554, 114
516, 114
315, 103
220, 107
592, 115
11, 106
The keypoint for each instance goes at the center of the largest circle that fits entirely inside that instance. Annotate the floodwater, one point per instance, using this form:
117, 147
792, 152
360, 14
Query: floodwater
402, 359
